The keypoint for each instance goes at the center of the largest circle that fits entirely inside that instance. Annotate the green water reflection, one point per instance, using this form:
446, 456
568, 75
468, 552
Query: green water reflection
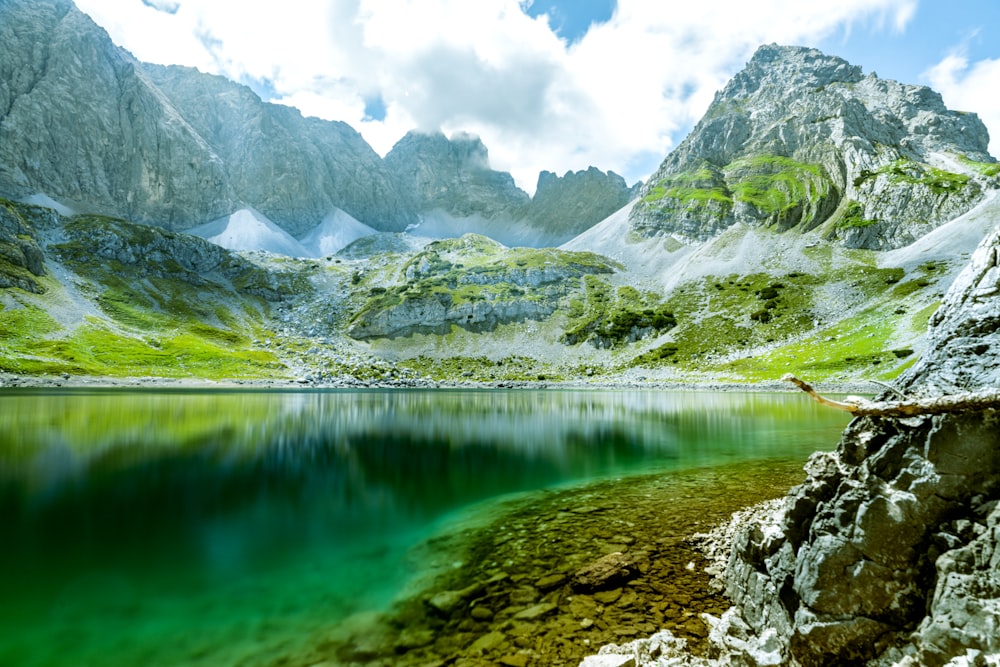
225, 528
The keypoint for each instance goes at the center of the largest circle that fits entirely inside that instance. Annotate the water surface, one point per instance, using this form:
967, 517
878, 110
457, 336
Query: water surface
232, 528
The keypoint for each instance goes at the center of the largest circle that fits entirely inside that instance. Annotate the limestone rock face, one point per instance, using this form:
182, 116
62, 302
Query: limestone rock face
474, 283
454, 175
566, 206
888, 552
799, 139
158, 252
84, 122
293, 169
21, 258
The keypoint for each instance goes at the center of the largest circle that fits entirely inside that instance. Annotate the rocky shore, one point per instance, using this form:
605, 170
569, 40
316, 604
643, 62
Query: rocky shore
9, 380
547, 580
889, 552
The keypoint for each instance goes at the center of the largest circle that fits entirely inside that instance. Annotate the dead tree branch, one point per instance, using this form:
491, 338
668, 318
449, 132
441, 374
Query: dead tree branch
862, 407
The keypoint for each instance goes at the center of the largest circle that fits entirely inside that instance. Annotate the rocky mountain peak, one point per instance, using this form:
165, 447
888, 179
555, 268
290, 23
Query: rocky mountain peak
453, 175
84, 122
788, 69
802, 140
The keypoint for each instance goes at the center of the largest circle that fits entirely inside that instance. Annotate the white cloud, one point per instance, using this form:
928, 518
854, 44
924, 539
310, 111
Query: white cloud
615, 99
964, 85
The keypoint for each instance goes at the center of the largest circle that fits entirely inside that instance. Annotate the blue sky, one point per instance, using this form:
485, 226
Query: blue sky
550, 84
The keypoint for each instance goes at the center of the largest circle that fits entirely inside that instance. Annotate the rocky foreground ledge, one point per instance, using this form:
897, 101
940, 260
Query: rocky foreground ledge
889, 552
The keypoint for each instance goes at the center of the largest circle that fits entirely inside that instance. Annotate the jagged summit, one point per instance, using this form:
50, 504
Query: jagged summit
800, 139
790, 67
454, 175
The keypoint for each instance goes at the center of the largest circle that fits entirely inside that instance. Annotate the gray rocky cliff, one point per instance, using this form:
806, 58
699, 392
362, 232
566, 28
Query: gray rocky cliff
568, 205
471, 282
454, 175
800, 139
889, 553
22, 260
111, 244
84, 122
293, 169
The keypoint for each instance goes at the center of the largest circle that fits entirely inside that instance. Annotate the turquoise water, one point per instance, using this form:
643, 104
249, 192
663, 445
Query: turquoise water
240, 528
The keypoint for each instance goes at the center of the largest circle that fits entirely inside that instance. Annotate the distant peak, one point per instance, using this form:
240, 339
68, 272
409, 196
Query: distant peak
790, 68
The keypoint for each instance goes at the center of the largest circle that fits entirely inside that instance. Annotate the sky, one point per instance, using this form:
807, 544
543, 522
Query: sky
553, 85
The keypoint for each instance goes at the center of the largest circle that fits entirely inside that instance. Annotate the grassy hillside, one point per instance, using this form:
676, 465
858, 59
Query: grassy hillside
118, 299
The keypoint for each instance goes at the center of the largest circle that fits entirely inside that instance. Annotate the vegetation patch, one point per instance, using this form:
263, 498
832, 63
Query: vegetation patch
606, 317
441, 285
989, 169
857, 346
483, 369
909, 172
854, 217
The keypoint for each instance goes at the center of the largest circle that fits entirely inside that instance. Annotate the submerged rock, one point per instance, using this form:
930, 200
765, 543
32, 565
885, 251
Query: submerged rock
609, 571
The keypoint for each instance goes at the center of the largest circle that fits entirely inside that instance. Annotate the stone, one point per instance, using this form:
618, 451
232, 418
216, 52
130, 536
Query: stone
841, 575
514, 660
447, 602
535, 612
609, 571
488, 642
551, 581
608, 661
481, 613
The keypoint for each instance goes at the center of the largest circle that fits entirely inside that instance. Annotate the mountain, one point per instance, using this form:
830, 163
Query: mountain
566, 206
88, 125
802, 140
458, 192
811, 223
454, 175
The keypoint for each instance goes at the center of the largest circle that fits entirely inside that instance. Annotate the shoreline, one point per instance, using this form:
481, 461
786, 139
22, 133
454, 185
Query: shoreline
518, 565
65, 381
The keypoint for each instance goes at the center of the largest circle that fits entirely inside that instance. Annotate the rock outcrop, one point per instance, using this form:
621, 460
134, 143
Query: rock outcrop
474, 283
889, 550
799, 139
457, 192
22, 261
115, 245
86, 123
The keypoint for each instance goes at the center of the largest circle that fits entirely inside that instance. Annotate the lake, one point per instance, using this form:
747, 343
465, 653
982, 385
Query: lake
199, 527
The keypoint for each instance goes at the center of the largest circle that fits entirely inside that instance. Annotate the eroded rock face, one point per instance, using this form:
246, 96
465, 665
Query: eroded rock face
86, 123
21, 258
800, 138
889, 550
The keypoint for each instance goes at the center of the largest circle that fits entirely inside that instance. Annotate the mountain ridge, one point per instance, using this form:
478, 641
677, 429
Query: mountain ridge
86, 124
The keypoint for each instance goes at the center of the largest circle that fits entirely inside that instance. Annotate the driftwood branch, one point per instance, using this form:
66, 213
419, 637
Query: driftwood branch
862, 407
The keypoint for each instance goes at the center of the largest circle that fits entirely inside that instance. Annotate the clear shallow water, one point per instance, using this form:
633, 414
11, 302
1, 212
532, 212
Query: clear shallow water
234, 528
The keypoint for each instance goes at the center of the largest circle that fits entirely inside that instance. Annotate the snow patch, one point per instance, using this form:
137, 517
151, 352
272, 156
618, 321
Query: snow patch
45, 201
249, 229
336, 231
